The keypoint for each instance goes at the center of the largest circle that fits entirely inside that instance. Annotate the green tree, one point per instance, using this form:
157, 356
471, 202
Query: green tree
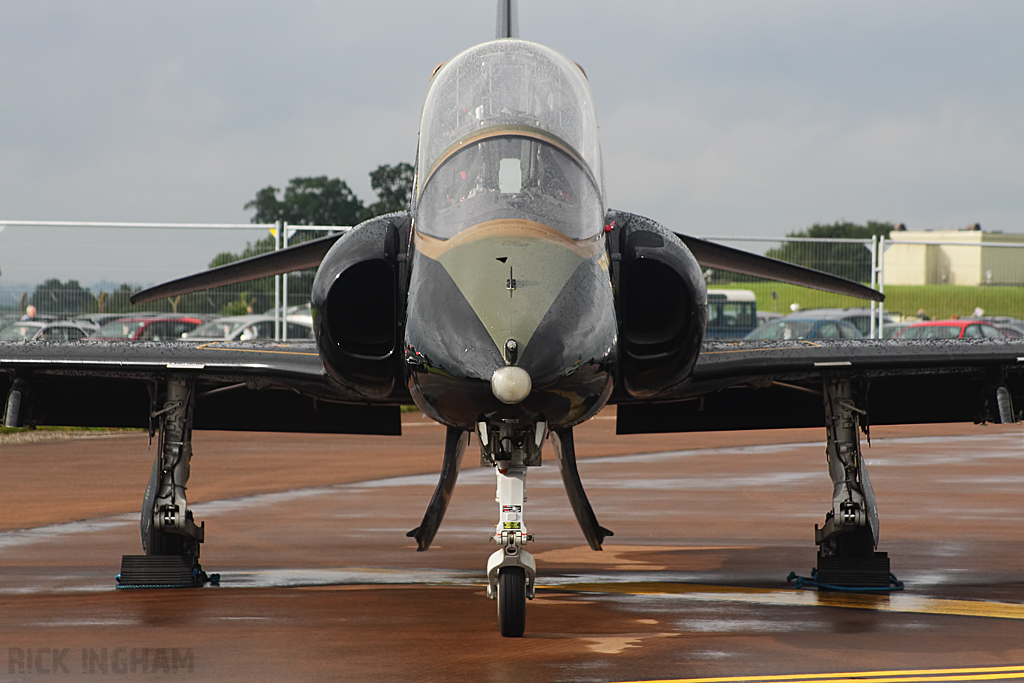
119, 301
56, 297
393, 185
309, 201
313, 201
850, 261
306, 201
330, 201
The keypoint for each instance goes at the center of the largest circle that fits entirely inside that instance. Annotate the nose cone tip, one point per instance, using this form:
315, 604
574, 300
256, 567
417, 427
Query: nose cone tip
511, 384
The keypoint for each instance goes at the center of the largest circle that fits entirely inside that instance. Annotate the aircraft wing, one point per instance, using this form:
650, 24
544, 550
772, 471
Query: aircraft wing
241, 386
776, 384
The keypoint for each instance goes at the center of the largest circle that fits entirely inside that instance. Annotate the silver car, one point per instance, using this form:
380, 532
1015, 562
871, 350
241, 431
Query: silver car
250, 328
40, 330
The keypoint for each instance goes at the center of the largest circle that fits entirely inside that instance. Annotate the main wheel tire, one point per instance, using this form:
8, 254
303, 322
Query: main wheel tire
512, 601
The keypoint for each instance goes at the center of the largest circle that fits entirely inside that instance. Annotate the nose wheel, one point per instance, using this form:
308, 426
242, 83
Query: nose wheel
512, 601
511, 571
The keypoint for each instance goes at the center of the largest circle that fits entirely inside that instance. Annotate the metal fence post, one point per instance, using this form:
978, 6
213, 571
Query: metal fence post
284, 289
279, 230
875, 332
881, 285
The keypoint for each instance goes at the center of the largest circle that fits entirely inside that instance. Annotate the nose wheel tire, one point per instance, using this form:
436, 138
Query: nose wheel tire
512, 601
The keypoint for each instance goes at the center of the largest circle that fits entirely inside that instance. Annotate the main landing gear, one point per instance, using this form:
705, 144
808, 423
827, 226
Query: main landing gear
848, 540
170, 537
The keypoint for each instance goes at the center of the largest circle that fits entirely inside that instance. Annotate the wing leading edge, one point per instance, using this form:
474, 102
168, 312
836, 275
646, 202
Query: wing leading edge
712, 255
767, 385
247, 387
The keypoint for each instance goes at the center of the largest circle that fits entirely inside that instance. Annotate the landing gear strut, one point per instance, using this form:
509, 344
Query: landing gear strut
848, 539
15, 399
170, 537
510, 449
167, 525
511, 571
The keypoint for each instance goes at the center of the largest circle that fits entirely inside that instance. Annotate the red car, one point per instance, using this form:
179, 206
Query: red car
167, 328
950, 329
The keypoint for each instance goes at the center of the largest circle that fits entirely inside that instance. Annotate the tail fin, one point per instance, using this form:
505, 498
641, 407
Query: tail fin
508, 19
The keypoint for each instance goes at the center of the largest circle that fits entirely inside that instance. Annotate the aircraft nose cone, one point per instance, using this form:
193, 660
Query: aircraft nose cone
511, 384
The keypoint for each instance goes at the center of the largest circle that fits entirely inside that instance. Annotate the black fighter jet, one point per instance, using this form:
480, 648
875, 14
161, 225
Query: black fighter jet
509, 301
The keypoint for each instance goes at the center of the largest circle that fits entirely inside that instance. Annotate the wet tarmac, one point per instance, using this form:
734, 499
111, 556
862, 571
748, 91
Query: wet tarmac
319, 581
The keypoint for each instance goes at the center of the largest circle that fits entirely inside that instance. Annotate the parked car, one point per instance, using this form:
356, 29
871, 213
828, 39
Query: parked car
1014, 329
163, 328
801, 327
41, 330
251, 328
1011, 327
892, 330
951, 329
101, 319
858, 317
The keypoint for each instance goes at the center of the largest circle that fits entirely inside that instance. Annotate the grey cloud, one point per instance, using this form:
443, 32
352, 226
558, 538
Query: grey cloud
728, 118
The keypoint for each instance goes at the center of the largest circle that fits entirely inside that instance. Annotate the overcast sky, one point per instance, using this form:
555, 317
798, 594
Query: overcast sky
717, 117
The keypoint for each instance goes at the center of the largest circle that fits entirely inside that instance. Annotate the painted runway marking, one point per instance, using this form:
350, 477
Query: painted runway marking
906, 604
987, 673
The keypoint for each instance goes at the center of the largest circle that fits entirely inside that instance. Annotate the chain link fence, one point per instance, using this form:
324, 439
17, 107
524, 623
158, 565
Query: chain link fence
89, 270
944, 279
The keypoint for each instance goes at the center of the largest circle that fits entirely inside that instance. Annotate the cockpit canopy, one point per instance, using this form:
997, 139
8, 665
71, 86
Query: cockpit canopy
510, 96
510, 177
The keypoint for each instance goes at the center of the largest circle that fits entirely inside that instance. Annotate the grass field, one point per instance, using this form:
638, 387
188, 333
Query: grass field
940, 301
19, 430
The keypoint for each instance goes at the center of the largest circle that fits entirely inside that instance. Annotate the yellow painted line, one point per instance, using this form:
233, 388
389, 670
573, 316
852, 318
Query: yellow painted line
899, 603
213, 346
988, 673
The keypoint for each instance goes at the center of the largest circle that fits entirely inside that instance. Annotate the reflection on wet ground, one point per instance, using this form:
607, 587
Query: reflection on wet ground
320, 581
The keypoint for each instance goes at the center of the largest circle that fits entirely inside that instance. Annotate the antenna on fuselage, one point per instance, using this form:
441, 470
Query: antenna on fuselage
508, 19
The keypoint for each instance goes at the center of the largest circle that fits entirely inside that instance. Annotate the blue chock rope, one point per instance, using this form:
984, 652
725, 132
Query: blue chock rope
813, 583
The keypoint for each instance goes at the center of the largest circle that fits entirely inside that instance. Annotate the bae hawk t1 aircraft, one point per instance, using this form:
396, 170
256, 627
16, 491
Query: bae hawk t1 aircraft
511, 303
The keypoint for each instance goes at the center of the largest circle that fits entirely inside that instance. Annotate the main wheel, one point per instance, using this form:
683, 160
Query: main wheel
512, 601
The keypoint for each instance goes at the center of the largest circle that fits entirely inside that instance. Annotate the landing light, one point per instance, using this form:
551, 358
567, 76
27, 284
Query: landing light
511, 384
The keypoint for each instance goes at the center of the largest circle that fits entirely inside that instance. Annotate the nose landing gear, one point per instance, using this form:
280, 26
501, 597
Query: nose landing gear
511, 449
511, 570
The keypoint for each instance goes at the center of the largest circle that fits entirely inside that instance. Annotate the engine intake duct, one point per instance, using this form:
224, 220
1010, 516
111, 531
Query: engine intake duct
358, 297
661, 304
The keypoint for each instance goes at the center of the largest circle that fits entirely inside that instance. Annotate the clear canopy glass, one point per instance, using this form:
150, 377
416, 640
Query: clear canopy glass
510, 177
509, 87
